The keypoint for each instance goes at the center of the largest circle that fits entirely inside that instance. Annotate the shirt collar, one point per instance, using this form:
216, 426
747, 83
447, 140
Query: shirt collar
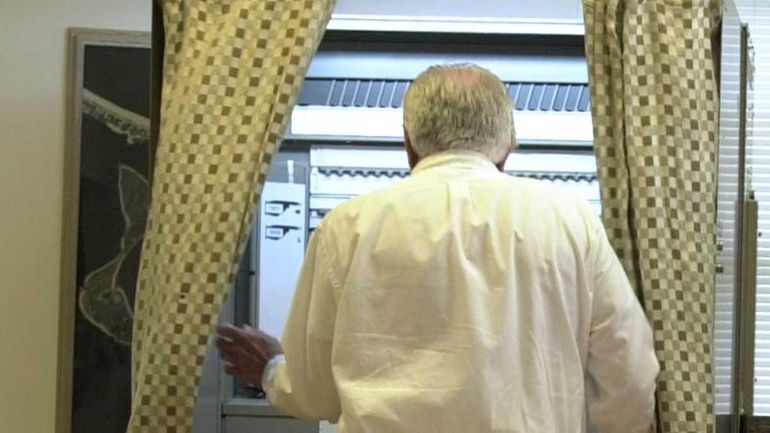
465, 159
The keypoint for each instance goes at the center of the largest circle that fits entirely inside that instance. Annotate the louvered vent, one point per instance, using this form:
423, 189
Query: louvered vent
397, 173
390, 94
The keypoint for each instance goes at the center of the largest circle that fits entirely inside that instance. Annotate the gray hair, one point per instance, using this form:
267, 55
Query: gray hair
459, 107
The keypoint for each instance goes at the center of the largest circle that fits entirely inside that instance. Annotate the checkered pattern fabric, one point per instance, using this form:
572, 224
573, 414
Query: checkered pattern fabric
232, 72
654, 102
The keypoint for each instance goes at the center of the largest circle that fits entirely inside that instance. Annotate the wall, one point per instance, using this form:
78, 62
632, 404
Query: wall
33, 85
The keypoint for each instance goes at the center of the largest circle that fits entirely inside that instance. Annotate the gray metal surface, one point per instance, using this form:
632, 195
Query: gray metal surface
251, 407
745, 277
208, 415
282, 233
748, 315
460, 16
727, 210
558, 63
543, 10
247, 424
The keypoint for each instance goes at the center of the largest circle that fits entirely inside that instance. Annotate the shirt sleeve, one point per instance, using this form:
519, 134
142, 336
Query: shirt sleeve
270, 368
303, 386
622, 367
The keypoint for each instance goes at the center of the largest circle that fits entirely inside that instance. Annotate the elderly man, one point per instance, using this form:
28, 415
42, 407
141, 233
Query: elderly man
459, 299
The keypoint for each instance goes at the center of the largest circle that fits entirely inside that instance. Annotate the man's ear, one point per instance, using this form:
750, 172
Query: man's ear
411, 155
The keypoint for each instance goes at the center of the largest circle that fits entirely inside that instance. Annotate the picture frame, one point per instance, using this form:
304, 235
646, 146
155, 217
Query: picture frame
108, 162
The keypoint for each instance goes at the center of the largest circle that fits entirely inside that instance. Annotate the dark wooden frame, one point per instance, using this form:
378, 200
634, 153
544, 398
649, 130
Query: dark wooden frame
78, 39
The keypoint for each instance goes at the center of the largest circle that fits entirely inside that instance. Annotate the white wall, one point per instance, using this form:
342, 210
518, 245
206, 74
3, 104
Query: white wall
33, 80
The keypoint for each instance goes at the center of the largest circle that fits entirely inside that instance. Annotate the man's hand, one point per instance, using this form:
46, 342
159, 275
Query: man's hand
246, 352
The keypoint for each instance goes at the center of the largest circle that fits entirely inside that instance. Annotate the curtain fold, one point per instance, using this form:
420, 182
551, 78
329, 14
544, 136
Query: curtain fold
232, 72
655, 108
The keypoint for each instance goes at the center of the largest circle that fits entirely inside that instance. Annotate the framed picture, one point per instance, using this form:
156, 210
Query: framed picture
107, 167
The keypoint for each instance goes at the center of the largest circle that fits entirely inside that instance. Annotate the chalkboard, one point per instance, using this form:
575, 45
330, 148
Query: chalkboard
108, 169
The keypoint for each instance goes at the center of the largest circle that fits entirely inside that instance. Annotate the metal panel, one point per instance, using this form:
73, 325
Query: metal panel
757, 14
207, 414
339, 173
541, 10
282, 236
460, 16
377, 124
447, 25
748, 302
726, 210
246, 424
544, 61
328, 92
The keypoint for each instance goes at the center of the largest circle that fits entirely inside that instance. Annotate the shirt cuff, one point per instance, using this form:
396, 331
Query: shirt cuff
270, 368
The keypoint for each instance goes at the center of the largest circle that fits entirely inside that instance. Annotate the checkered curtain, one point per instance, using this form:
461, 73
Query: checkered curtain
232, 72
654, 102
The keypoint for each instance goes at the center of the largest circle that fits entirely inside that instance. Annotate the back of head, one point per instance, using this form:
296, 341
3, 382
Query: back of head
459, 107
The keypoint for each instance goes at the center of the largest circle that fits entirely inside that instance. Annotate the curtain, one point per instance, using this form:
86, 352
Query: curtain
232, 71
654, 105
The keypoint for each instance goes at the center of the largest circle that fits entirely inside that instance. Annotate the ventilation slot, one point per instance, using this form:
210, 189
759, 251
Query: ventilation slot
390, 94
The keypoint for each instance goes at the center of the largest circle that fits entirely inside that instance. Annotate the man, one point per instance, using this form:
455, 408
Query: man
460, 299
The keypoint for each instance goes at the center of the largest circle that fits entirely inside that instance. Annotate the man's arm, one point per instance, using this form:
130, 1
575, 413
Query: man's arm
622, 367
303, 386
249, 353
298, 376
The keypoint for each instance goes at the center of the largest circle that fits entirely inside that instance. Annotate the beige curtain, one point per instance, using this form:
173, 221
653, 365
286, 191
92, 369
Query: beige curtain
654, 102
232, 72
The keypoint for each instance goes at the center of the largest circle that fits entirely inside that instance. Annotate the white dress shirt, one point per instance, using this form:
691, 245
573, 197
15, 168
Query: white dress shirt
464, 300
